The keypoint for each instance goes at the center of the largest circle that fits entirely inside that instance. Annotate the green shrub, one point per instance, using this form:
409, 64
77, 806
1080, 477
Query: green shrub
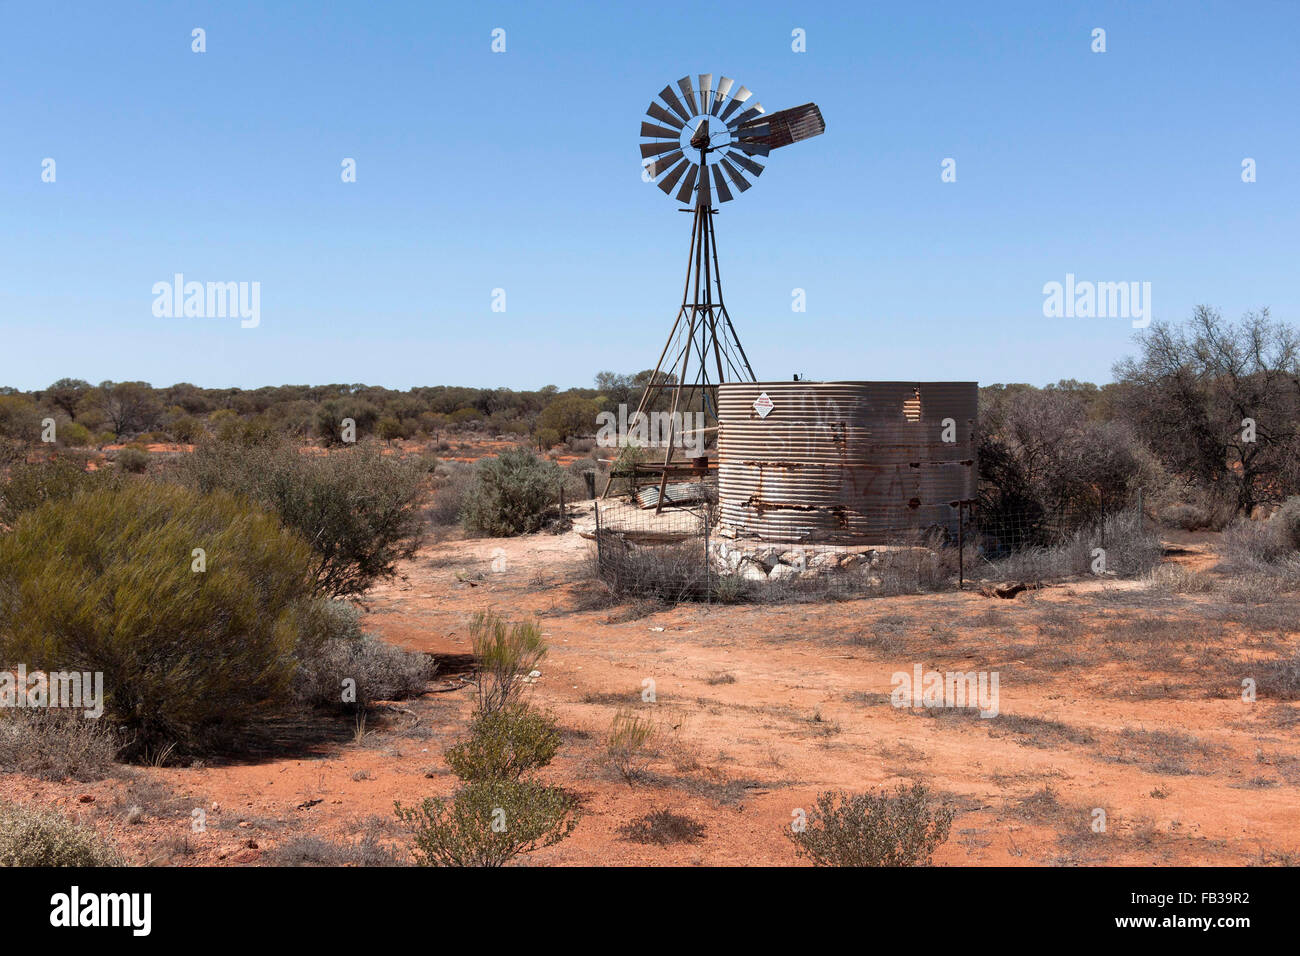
330, 415
103, 582
186, 429
900, 829
133, 460
20, 419
31, 484
489, 823
504, 745
33, 837
504, 653
380, 671
358, 508
74, 435
511, 494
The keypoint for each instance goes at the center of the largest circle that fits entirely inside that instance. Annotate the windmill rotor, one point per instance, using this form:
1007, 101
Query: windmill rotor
704, 140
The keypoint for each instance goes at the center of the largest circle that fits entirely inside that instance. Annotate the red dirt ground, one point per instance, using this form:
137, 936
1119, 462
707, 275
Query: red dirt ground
761, 707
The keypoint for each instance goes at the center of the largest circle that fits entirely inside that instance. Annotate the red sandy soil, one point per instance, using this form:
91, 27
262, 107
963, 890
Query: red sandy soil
759, 708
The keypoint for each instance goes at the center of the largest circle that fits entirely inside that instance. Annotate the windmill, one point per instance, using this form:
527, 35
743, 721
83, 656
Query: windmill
705, 141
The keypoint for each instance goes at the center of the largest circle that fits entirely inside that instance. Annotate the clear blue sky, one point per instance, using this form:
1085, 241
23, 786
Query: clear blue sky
521, 171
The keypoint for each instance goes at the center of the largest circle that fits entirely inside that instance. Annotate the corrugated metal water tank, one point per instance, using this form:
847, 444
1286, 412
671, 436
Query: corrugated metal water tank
844, 461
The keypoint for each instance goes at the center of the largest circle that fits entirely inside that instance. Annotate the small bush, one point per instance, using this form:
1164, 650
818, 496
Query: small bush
672, 573
663, 827
381, 671
626, 743
34, 837
1131, 550
132, 460
1176, 579
504, 653
1287, 519
56, 745
74, 435
315, 851
1281, 679
1189, 517
1261, 554
512, 494
504, 745
900, 829
103, 581
489, 823
450, 490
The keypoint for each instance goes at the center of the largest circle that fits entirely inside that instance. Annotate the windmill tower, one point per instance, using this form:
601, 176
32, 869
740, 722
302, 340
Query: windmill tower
703, 143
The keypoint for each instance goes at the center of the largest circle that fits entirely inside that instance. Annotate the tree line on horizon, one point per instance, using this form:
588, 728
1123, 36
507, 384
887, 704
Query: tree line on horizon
1204, 417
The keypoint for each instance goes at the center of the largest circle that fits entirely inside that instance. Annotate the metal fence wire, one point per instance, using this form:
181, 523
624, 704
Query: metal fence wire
682, 554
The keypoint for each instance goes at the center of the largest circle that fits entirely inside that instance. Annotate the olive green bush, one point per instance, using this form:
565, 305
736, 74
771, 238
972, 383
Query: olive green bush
489, 823
31, 484
107, 581
505, 652
358, 508
504, 745
512, 494
898, 829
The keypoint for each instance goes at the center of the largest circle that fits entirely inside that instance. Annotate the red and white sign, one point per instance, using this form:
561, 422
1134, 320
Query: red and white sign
763, 405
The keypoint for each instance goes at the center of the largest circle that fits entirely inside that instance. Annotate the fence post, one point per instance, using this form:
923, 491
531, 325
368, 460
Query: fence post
708, 574
961, 545
600, 563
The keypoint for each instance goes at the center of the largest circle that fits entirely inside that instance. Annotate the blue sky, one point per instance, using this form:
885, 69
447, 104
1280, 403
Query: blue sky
520, 170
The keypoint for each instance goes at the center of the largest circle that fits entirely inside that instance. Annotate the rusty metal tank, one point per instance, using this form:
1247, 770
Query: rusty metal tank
851, 462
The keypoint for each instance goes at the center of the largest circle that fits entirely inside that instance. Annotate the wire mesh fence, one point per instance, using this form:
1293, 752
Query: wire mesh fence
683, 553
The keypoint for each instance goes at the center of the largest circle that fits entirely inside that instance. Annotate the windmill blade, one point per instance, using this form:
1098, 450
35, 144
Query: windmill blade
724, 87
723, 192
745, 163
753, 112
706, 91
663, 162
753, 149
742, 94
669, 181
785, 126
662, 115
688, 186
655, 149
733, 174
754, 134
674, 104
688, 93
658, 132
